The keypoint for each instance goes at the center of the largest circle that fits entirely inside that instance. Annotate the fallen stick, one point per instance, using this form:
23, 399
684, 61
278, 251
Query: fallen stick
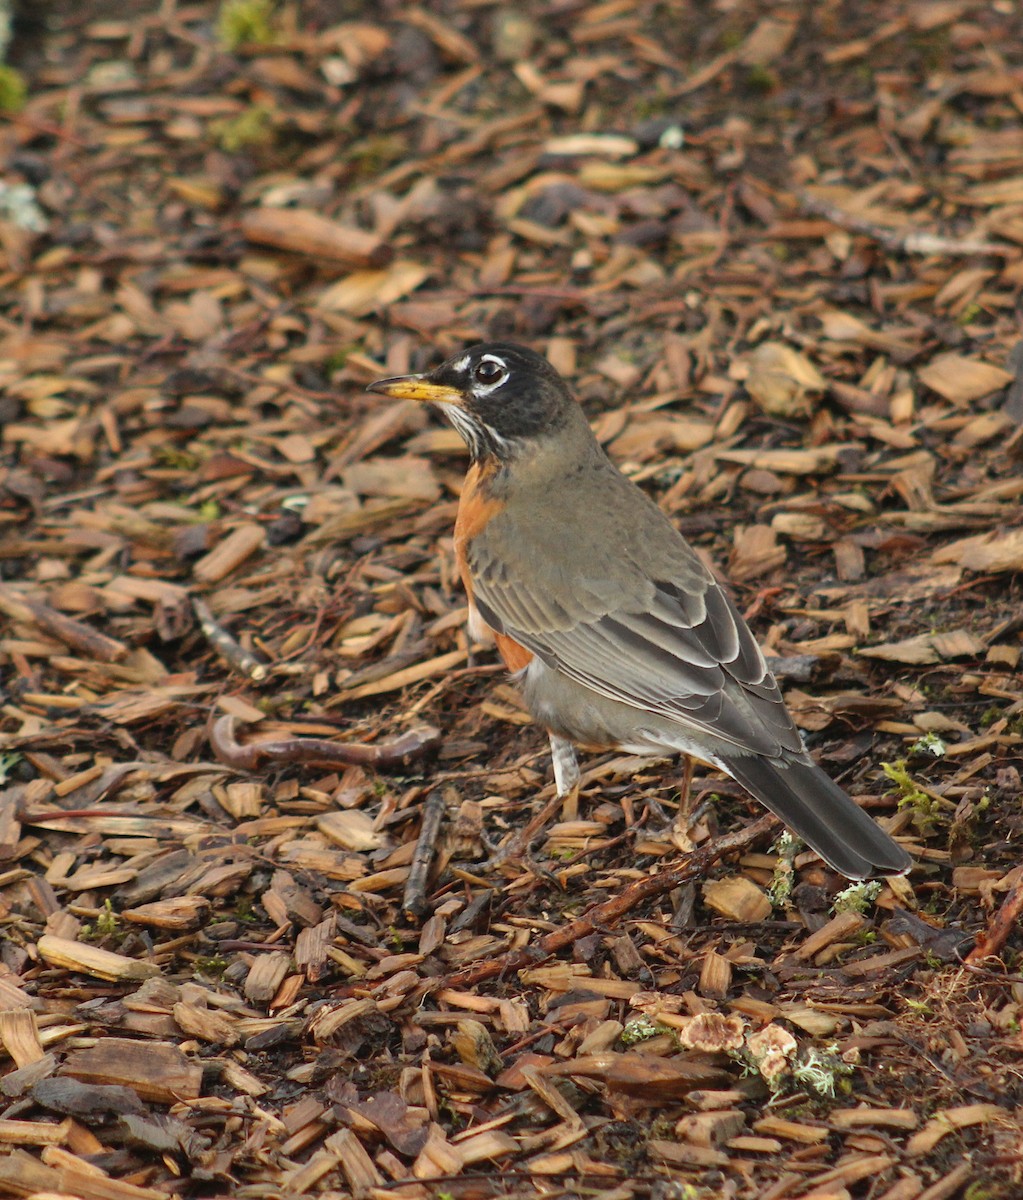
413, 902
1002, 924
300, 231
896, 241
607, 913
416, 744
75, 634
226, 645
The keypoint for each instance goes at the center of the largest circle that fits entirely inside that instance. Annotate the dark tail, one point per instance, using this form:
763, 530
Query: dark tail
815, 807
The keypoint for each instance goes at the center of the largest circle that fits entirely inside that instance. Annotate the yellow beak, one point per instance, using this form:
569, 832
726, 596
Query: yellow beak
417, 387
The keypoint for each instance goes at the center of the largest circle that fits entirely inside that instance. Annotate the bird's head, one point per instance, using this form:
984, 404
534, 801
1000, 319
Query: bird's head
497, 395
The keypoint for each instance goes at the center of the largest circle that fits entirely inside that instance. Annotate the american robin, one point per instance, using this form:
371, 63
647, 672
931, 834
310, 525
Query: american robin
618, 633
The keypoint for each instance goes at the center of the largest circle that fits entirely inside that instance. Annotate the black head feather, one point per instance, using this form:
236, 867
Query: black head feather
508, 393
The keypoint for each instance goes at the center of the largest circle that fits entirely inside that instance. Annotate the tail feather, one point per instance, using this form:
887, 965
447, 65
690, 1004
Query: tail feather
813, 806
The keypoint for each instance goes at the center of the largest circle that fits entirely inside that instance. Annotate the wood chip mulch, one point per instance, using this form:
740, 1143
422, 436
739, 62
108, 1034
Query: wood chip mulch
252, 769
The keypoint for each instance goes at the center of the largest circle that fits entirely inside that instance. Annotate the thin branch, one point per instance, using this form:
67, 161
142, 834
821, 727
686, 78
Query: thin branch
1002, 924
608, 912
896, 241
414, 900
77, 635
226, 645
418, 743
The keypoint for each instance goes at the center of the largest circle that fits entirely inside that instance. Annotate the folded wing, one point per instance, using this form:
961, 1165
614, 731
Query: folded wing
682, 652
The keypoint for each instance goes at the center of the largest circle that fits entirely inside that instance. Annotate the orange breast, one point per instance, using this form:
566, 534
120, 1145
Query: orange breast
475, 510
516, 657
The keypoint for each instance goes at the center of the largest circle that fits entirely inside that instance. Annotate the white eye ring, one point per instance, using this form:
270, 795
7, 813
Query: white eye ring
490, 372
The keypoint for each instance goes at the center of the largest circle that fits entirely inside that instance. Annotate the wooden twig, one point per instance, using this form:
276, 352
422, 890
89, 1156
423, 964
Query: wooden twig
226, 645
75, 634
93, 960
309, 233
1002, 924
607, 913
416, 744
414, 900
230, 552
518, 844
894, 240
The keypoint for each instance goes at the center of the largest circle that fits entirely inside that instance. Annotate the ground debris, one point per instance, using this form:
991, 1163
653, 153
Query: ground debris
253, 768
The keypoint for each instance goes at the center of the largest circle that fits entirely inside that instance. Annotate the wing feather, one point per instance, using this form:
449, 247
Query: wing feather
681, 651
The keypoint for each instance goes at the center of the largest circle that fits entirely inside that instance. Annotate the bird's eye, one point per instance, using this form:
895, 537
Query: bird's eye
489, 371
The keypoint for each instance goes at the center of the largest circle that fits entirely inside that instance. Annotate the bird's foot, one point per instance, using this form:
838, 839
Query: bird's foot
685, 794
656, 812
685, 818
517, 847
566, 787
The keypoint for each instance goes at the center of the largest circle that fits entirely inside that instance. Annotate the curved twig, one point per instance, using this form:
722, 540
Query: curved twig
418, 743
990, 942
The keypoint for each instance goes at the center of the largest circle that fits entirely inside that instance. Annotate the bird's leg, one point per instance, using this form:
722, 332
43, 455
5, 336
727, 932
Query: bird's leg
684, 815
685, 797
566, 774
566, 792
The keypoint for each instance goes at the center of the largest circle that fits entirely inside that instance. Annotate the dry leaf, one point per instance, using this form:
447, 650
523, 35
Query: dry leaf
407, 477
917, 651
783, 381
756, 551
804, 527
603, 145
369, 291
948, 1120
816, 461
995, 192
985, 552
961, 380
351, 830
768, 41
646, 438
737, 898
